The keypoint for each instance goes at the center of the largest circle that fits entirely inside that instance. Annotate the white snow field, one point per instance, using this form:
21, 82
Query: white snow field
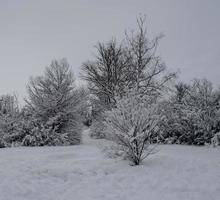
83, 172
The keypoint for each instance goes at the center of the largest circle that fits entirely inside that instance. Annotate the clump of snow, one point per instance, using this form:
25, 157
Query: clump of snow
84, 172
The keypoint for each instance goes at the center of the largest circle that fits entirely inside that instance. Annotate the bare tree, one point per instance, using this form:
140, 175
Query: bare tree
106, 75
146, 71
134, 64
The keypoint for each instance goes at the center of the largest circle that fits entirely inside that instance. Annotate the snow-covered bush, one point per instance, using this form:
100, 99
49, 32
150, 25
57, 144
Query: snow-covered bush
191, 114
97, 129
41, 136
132, 124
9, 120
37, 136
216, 140
11, 135
37, 133
72, 133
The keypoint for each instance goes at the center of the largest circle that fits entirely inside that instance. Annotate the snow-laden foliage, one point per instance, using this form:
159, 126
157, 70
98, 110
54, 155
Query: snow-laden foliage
132, 124
56, 105
41, 135
191, 114
216, 140
37, 133
8, 130
98, 129
9, 120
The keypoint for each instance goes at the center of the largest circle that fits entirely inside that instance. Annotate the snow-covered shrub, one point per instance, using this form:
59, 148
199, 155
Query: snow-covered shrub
38, 134
41, 136
191, 114
9, 121
132, 124
72, 132
216, 140
97, 129
11, 133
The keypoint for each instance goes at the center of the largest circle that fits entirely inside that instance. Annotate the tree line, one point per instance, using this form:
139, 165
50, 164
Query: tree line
52, 114
131, 98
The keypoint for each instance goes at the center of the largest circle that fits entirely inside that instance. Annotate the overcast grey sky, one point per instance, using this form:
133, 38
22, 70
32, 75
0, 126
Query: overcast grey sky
33, 32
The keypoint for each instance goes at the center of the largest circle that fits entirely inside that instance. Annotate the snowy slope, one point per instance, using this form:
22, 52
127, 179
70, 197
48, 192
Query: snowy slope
84, 173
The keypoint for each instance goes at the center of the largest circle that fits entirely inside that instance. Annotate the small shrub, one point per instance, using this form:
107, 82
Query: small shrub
216, 140
132, 124
97, 130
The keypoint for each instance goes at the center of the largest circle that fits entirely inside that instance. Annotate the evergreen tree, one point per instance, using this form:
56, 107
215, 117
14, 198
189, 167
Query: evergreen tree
56, 103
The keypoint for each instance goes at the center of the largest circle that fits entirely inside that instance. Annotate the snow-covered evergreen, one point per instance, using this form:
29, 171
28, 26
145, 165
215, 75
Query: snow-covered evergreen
9, 120
56, 104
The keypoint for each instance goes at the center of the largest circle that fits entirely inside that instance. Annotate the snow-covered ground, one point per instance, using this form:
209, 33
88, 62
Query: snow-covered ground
84, 172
